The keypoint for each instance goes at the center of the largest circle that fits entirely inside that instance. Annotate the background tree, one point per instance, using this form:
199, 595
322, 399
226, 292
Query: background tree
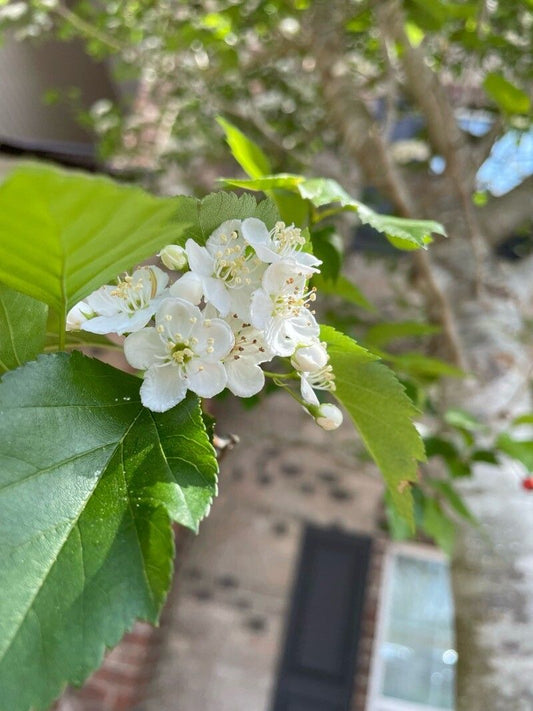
323, 88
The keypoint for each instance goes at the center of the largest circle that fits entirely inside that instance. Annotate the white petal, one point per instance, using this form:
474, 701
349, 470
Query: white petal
200, 260
245, 378
206, 379
103, 303
260, 309
144, 348
163, 387
240, 303
177, 317
303, 329
214, 241
222, 339
217, 294
117, 323
308, 260
77, 316
308, 394
277, 339
310, 358
283, 275
188, 287
255, 232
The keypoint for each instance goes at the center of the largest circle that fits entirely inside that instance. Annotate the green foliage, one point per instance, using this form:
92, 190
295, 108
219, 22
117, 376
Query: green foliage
510, 99
382, 413
22, 328
403, 233
63, 234
328, 246
90, 481
199, 218
384, 332
522, 450
247, 153
344, 289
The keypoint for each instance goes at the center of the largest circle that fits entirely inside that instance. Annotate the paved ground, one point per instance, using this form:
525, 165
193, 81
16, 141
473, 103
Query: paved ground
226, 617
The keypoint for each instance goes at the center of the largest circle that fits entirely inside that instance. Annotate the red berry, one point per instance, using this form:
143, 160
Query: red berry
528, 483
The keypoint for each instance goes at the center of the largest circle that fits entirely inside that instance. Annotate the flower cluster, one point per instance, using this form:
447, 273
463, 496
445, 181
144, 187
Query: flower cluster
242, 300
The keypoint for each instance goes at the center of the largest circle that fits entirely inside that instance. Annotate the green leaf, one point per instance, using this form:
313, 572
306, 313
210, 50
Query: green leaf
344, 289
438, 525
22, 328
484, 455
517, 449
382, 333
453, 499
439, 447
64, 233
328, 247
403, 233
423, 366
204, 216
382, 413
398, 527
509, 97
526, 419
462, 420
89, 482
247, 154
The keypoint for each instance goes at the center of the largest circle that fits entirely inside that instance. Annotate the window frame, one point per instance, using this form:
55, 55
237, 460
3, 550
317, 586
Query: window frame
375, 699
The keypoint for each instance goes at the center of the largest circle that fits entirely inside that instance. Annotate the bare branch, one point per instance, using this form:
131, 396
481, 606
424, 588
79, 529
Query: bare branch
502, 215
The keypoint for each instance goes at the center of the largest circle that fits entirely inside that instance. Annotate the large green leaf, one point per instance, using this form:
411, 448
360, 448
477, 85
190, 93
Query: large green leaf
65, 233
22, 328
521, 449
403, 233
89, 482
382, 413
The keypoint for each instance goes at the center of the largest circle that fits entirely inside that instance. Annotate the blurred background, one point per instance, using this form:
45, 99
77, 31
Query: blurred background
301, 592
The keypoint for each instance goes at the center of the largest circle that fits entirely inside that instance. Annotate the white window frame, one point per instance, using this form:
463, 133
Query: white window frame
375, 700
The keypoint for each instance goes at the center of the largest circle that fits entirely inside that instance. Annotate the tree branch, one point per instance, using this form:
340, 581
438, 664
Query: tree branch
502, 215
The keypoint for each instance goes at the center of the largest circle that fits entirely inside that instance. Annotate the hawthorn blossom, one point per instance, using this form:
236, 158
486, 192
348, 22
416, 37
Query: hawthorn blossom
245, 377
281, 308
282, 242
183, 352
228, 268
310, 358
123, 308
188, 287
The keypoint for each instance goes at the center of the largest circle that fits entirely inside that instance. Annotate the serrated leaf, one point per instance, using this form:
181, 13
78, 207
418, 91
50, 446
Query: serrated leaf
247, 153
204, 216
89, 482
382, 413
509, 97
65, 233
403, 233
22, 328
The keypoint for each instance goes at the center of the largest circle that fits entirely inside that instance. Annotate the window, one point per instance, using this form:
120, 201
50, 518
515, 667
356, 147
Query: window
413, 665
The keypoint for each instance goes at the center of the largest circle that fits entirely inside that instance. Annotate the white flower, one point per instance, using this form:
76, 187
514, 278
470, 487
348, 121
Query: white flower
183, 352
124, 308
173, 257
328, 416
310, 358
245, 377
281, 308
228, 268
280, 243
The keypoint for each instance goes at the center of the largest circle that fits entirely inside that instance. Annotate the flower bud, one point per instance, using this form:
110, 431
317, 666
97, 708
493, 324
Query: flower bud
173, 257
311, 358
328, 416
